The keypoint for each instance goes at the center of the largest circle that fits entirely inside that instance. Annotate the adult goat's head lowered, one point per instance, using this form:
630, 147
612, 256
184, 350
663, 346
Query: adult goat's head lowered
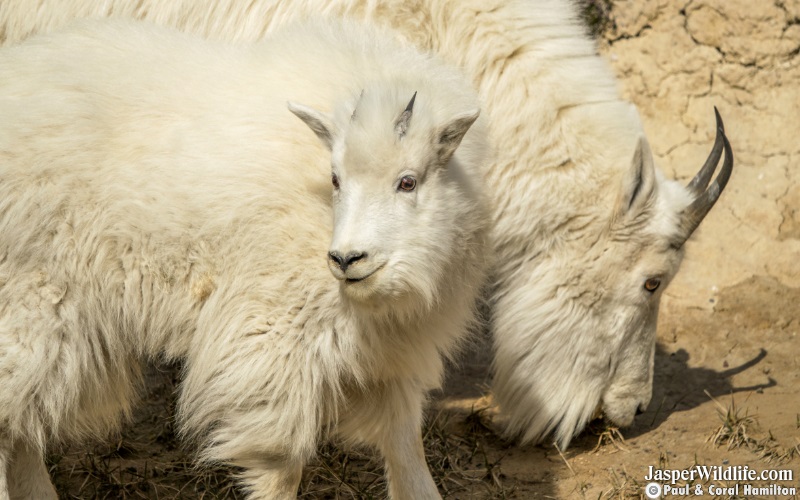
604, 288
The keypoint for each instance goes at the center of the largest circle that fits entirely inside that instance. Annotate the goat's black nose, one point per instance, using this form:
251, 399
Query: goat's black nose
639, 410
344, 262
334, 256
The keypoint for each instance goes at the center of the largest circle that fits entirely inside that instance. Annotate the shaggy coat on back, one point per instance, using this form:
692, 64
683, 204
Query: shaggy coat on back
158, 200
586, 232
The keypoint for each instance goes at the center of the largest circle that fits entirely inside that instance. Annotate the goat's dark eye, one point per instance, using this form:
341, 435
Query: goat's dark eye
407, 183
652, 284
335, 181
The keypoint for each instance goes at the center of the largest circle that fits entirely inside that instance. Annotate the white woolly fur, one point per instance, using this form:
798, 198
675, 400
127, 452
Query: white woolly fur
159, 200
573, 329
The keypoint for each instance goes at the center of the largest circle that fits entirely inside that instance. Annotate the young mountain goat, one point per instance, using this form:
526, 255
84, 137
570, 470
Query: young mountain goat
157, 199
586, 232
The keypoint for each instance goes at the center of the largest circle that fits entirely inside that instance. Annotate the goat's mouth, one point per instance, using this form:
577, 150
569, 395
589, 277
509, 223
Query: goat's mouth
620, 415
363, 277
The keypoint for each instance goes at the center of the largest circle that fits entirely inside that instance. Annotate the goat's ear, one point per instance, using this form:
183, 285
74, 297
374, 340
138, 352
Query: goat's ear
318, 122
449, 136
639, 183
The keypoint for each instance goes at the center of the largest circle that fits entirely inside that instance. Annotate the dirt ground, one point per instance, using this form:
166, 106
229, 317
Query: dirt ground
727, 377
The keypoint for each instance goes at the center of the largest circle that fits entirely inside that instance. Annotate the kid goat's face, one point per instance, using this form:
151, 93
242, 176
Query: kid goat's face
392, 194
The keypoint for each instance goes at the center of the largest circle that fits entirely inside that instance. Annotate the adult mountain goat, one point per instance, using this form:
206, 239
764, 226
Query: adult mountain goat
586, 232
157, 199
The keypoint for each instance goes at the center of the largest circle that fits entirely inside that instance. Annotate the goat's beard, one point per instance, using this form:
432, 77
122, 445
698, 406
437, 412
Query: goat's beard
393, 291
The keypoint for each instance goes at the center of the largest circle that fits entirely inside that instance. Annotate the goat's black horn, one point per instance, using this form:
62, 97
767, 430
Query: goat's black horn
402, 123
410, 107
698, 185
705, 198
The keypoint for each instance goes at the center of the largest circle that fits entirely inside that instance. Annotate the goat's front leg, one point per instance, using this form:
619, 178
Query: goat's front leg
389, 417
406, 470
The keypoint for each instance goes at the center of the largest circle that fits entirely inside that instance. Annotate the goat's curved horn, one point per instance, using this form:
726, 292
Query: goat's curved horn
701, 180
402, 123
693, 215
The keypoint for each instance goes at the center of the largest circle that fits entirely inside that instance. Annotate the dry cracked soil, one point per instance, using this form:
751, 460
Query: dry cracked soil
727, 376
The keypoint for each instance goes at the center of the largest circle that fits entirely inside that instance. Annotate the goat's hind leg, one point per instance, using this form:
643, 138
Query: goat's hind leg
23, 475
5, 459
273, 482
28, 478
